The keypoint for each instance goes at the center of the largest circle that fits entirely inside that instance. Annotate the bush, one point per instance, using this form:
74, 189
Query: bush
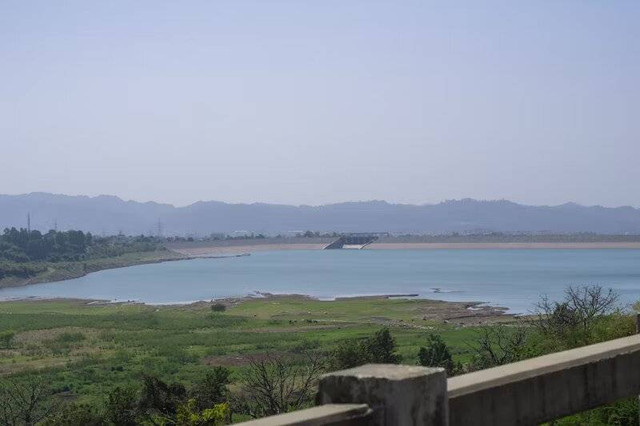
121, 407
571, 322
211, 389
189, 415
379, 348
70, 337
218, 307
348, 354
25, 401
158, 398
437, 354
273, 384
75, 415
500, 345
6, 338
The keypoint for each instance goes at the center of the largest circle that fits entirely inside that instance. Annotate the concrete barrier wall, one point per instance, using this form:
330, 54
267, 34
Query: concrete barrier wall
330, 414
548, 387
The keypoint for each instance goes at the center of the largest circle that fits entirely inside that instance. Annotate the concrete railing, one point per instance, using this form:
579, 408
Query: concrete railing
523, 393
329, 414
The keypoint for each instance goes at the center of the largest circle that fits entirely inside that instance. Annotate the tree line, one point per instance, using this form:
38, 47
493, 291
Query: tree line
22, 245
25, 253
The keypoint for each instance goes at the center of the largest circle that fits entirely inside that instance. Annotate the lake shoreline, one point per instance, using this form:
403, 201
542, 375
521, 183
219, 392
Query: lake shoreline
72, 270
448, 312
223, 248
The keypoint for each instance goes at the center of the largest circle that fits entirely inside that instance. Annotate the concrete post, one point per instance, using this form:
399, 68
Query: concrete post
399, 395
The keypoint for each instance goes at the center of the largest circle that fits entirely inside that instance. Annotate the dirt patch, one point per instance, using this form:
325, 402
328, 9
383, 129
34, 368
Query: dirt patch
40, 364
461, 313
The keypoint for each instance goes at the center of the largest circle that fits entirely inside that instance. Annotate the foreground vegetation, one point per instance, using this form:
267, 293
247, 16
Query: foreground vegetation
201, 364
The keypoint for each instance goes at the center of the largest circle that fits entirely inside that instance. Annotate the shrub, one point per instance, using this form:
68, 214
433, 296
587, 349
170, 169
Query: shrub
571, 322
273, 384
6, 338
212, 388
75, 415
348, 355
437, 354
218, 307
379, 348
159, 398
26, 401
70, 337
121, 407
189, 415
499, 345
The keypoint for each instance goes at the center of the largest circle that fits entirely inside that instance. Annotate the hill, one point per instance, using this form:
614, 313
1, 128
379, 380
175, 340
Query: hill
111, 215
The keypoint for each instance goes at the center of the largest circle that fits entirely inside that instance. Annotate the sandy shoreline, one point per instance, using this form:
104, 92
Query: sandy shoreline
212, 250
502, 246
207, 251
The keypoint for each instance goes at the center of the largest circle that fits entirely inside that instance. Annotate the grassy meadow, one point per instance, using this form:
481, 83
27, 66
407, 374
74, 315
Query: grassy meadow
85, 349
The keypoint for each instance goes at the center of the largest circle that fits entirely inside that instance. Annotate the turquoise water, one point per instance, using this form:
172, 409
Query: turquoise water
512, 278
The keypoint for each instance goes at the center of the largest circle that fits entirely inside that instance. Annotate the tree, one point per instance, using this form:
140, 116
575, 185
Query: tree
572, 322
75, 415
382, 348
349, 354
379, 348
437, 354
499, 345
160, 400
211, 389
24, 402
121, 407
272, 384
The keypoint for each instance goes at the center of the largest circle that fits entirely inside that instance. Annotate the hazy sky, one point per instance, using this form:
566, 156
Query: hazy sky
322, 101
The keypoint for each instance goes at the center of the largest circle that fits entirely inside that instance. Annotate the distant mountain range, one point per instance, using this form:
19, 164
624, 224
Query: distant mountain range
110, 215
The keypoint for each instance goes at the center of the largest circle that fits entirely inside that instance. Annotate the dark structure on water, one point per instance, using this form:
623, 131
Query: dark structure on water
355, 240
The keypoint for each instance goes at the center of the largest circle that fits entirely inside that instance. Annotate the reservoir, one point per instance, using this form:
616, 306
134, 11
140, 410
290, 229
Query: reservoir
515, 279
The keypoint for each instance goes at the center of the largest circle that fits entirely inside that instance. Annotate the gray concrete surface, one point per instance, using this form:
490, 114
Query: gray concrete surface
338, 414
548, 387
398, 395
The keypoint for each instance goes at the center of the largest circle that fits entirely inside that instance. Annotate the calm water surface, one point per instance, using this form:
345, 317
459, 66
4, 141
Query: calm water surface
512, 278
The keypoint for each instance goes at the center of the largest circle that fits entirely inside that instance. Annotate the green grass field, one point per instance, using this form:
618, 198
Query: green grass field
87, 349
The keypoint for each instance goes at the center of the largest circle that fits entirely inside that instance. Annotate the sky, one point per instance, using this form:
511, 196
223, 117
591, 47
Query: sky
315, 102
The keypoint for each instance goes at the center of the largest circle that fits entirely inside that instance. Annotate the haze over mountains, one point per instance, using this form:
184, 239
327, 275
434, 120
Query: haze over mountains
111, 215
